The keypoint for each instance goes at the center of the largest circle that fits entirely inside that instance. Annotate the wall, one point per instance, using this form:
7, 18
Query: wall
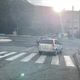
21, 16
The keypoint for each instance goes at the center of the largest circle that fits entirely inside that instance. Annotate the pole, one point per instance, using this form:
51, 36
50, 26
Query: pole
17, 29
79, 26
72, 22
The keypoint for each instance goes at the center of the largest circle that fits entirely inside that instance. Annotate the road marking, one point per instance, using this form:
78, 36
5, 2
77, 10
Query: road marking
5, 40
3, 52
8, 54
68, 61
41, 59
55, 60
16, 56
29, 57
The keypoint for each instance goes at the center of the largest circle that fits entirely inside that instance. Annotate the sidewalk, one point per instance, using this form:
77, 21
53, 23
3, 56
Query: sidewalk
77, 60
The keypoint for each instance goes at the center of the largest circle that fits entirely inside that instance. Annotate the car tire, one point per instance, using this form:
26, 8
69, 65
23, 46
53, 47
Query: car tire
60, 52
55, 53
40, 52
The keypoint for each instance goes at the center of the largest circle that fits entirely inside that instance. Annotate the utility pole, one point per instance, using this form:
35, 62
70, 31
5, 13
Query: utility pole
72, 21
79, 26
17, 28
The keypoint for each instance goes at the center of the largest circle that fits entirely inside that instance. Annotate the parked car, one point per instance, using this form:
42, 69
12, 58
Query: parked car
50, 46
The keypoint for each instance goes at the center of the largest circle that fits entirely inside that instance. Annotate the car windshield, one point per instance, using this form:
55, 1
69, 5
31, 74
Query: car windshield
39, 39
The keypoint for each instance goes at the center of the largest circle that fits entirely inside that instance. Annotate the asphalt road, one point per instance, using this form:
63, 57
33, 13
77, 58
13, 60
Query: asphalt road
19, 60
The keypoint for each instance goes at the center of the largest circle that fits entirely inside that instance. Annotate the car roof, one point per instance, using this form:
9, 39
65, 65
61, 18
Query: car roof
48, 39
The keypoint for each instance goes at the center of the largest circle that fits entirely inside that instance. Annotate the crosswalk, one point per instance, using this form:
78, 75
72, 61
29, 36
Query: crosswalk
29, 57
3, 52
41, 59
8, 54
15, 57
55, 60
68, 61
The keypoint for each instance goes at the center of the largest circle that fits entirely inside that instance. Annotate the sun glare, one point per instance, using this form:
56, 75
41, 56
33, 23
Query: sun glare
57, 9
58, 5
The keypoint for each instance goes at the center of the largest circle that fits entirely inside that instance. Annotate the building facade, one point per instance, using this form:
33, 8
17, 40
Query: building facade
71, 22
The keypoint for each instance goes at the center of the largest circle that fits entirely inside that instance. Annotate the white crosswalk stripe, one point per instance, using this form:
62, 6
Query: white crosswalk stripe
55, 60
8, 54
68, 61
3, 52
16, 56
29, 57
41, 59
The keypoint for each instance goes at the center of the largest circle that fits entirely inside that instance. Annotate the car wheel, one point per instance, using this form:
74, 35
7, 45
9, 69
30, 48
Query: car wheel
55, 53
40, 52
60, 52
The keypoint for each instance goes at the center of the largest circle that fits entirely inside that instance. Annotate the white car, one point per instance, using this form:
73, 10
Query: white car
50, 46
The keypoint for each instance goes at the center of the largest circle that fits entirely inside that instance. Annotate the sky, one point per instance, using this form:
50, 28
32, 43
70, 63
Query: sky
58, 4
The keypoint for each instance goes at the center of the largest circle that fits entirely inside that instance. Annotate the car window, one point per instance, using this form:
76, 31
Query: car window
47, 41
57, 42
